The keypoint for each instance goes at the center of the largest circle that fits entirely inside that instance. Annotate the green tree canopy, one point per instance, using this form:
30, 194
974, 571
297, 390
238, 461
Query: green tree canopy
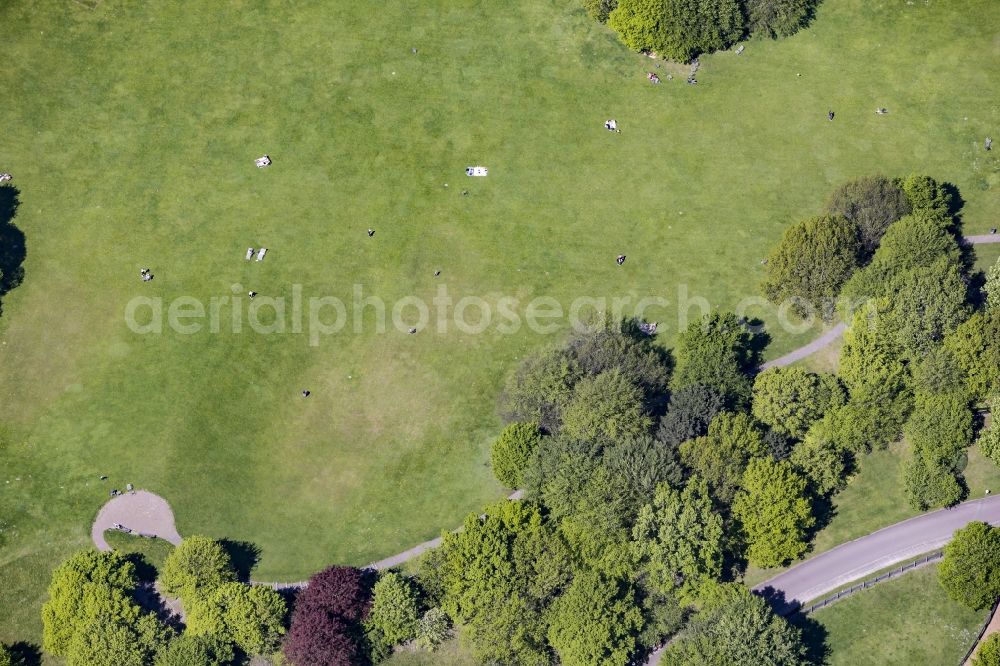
791, 399
821, 461
976, 346
187, 650
540, 388
599, 10
512, 450
640, 24
689, 412
595, 622
636, 466
198, 565
678, 540
930, 483
774, 511
722, 456
715, 352
735, 626
692, 27
605, 406
251, 617
929, 302
871, 203
811, 263
992, 286
394, 614
988, 652
928, 196
970, 570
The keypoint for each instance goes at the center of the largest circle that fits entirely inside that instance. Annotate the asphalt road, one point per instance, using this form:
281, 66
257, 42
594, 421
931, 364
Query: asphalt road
862, 557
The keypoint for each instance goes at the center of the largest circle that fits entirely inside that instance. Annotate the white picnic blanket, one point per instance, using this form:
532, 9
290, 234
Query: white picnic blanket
476, 171
261, 253
249, 253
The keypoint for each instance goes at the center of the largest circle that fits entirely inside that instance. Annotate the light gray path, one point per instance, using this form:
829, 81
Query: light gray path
797, 355
140, 511
984, 239
856, 559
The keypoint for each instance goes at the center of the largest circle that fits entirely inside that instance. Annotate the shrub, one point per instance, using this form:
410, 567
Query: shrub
512, 450
433, 629
196, 566
988, 653
598, 10
930, 483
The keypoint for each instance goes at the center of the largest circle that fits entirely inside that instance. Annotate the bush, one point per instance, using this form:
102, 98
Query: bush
930, 483
6, 658
433, 629
778, 18
512, 450
811, 263
970, 570
871, 203
988, 653
197, 566
598, 10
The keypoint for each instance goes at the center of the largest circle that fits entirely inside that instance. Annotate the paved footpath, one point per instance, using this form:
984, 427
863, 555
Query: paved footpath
862, 557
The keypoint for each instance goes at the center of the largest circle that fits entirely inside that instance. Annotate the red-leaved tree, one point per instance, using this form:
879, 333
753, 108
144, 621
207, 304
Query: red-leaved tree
326, 623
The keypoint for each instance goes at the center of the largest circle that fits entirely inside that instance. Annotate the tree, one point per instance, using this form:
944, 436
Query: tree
715, 352
252, 617
639, 24
595, 622
779, 18
599, 10
774, 512
394, 614
992, 286
790, 400
89, 584
928, 303
512, 450
678, 540
689, 412
941, 425
735, 626
811, 263
938, 372
540, 388
197, 566
433, 629
722, 456
692, 27
605, 406
930, 483
988, 652
123, 637
989, 442
620, 345
327, 619
976, 346
928, 196
187, 650
871, 203
970, 570
821, 461
6, 658
636, 466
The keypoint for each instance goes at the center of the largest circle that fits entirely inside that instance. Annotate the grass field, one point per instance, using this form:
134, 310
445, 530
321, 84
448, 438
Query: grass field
131, 129
451, 653
909, 620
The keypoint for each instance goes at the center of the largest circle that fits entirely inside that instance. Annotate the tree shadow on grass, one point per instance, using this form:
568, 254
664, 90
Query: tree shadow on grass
813, 637
25, 654
12, 241
245, 556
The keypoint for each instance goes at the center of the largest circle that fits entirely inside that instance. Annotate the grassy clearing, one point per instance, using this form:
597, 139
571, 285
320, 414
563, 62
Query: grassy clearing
153, 551
450, 653
909, 620
986, 256
131, 127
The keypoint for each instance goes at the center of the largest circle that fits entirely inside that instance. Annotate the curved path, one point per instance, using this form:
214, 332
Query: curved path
857, 559
140, 511
827, 338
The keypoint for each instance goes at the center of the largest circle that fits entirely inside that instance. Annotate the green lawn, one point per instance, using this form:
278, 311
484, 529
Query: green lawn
987, 255
153, 551
130, 128
909, 620
451, 653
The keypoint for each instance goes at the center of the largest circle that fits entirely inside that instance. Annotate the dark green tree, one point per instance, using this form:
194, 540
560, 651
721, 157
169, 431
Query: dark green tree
976, 346
692, 27
721, 456
605, 406
689, 412
715, 352
790, 400
512, 450
778, 18
871, 203
811, 263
